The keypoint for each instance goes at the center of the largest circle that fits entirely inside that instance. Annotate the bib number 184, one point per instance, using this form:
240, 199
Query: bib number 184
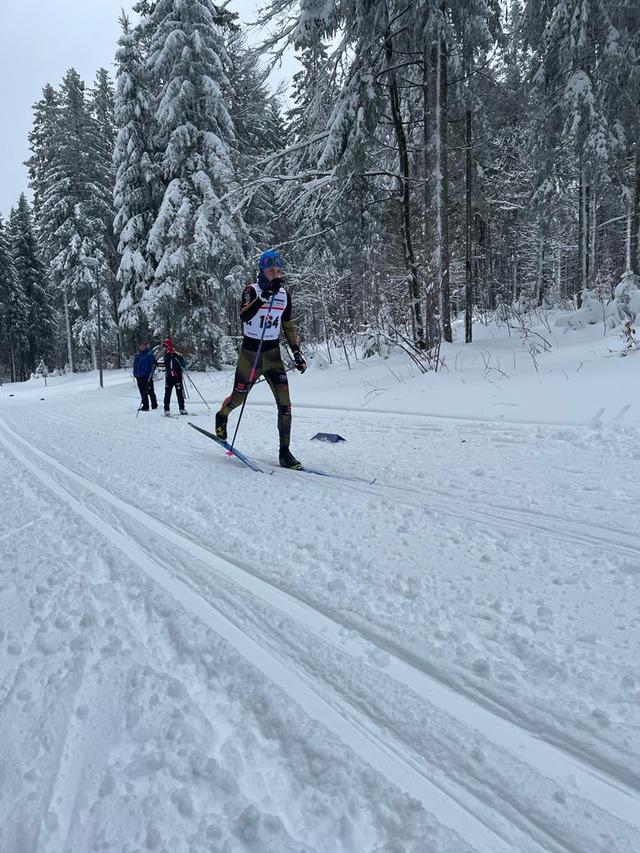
269, 322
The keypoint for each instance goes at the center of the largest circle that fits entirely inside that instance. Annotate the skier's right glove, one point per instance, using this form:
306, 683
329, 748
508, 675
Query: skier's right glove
270, 289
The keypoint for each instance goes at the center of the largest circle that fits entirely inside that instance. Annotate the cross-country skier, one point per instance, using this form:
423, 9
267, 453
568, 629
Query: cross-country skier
144, 363
172, 376
262, 326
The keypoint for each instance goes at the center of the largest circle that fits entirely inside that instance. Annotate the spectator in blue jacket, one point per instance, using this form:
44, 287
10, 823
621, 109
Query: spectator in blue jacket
144, 365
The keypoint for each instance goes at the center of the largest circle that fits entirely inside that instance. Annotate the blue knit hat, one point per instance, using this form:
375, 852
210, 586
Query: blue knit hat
271, 258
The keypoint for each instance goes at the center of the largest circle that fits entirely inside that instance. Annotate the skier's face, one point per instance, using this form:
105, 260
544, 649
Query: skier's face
273, 272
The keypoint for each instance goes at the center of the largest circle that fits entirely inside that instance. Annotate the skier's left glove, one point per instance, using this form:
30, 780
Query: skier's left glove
299, 359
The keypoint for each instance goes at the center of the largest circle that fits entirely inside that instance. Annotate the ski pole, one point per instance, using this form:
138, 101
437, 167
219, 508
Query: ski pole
251, 377
197, 391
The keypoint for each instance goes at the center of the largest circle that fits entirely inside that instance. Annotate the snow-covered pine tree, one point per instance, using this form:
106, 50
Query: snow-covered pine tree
42, 138
576, 51
39, 320
13, 313
71, 215
198, 235
326, 214
138, 190
102, 108
508, 170
368, 128
259, 131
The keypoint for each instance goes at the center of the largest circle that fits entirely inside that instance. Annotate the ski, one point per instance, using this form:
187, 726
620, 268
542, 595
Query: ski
232, 451
305, 470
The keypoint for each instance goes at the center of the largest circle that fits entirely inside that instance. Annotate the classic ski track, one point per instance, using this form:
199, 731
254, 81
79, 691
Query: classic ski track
75, 751
389, 760
559, 739
135, 436
204, 554
503, 518
550, 735
499, 705
498, 508
355, 720
493, 515
463, 419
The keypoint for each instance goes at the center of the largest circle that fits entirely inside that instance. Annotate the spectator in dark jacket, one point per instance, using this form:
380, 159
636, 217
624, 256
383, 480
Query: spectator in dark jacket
173, 367
144, 364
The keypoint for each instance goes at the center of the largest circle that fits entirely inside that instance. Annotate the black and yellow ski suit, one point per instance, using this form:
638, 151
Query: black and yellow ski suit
269, 364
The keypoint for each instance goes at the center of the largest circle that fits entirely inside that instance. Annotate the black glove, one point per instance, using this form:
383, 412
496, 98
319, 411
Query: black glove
270, 288
301, 364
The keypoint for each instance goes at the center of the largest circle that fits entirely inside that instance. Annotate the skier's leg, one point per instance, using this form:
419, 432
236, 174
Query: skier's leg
152, 395
180, 395
142, 388
241, 387
168, 385
276, 376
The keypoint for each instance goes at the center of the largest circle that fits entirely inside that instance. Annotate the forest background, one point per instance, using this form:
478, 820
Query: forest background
444, 159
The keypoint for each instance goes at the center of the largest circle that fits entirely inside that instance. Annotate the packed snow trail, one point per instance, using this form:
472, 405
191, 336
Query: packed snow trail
78, 727
508, 522
547, 760
370, 747
474, 616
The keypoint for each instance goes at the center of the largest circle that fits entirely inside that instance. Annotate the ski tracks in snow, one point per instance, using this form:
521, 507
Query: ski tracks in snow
490, 820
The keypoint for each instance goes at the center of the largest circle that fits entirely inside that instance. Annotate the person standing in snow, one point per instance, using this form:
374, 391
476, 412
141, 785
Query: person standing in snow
144, 364
173, 368
265, 311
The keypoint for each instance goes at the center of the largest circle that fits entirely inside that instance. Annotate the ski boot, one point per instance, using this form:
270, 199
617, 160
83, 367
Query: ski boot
184, 412
221, 426
288, 460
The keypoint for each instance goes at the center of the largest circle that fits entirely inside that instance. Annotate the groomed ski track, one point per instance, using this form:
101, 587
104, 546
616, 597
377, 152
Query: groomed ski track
396, 716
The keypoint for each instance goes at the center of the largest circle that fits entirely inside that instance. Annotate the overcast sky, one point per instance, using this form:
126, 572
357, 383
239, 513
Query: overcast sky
39, 41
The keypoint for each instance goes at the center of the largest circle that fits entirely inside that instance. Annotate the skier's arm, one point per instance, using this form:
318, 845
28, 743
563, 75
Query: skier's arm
250, 304
288, 327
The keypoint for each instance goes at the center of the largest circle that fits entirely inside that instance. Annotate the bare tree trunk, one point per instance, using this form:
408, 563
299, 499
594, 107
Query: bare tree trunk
68, 326
592, 239
443, 109
469, 290
582, 273
432, 318
540, 271
440, 178
635, 218
405, 202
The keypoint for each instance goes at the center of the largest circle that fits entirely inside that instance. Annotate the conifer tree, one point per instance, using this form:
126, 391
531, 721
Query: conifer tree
72, 214
197, 238
13, 313
39, 320
138, 190
46, 118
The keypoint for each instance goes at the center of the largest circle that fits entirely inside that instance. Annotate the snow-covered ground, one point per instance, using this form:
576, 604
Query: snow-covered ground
435, 653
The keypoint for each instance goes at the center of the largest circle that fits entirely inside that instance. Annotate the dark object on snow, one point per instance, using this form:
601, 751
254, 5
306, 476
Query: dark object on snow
331, 437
